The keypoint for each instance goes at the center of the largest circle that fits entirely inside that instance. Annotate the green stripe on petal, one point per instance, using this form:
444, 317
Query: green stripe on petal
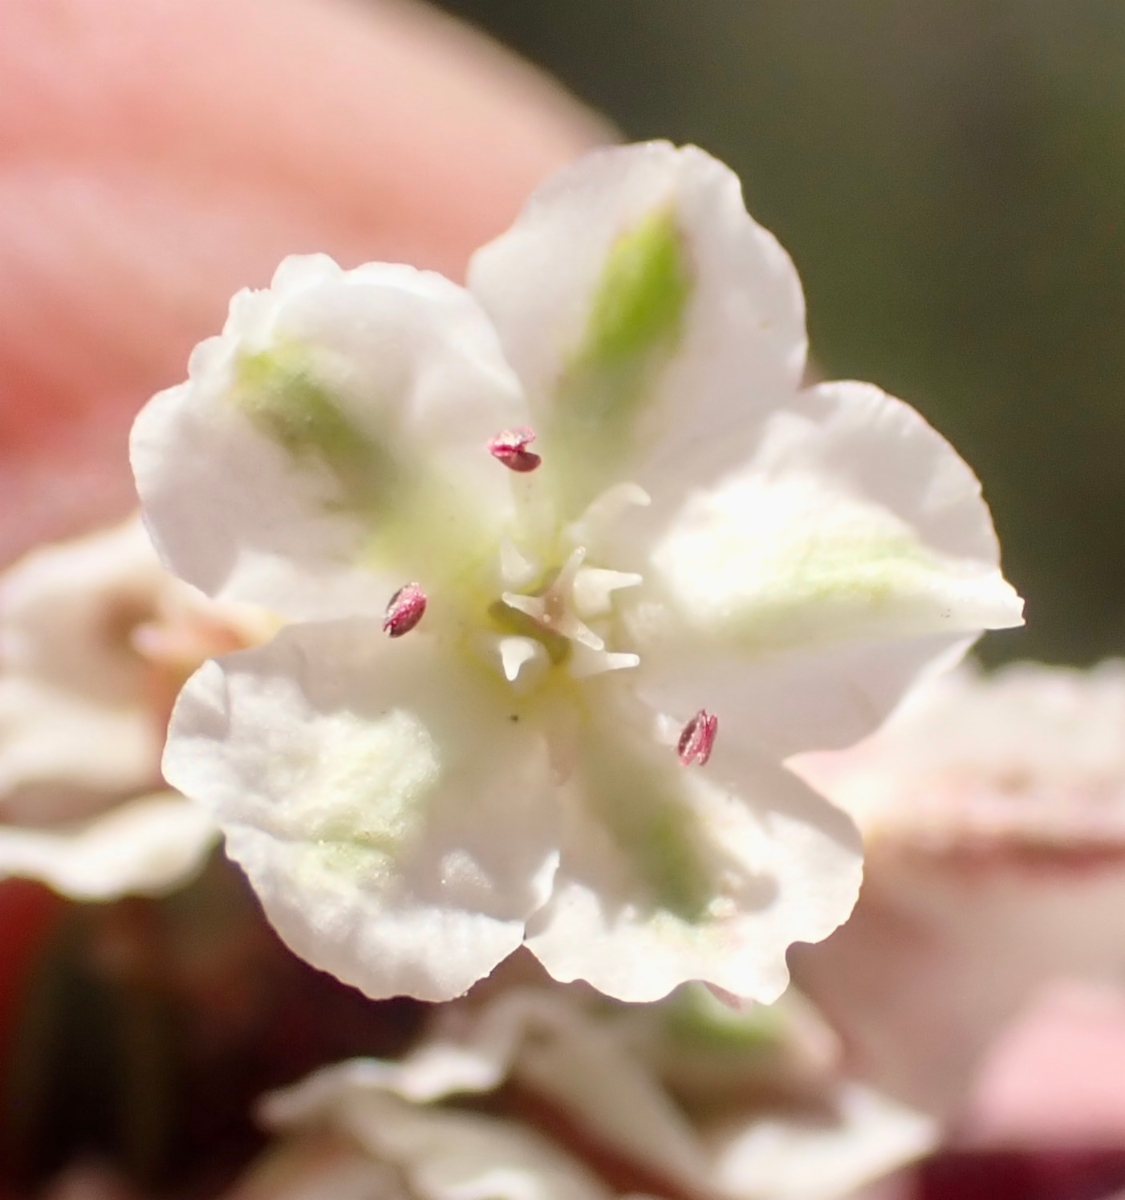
418, 521
642, 294
636, 319
652, 825
775, 563
278, 391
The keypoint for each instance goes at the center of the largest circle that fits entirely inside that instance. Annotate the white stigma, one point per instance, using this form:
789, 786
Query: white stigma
517, 652
594, 586
577, 595
554, 610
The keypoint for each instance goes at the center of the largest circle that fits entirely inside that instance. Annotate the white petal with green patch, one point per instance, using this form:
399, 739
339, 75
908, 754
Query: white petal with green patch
669, 873
642, 309
331, 444
392, 841
801, 594
443, 1154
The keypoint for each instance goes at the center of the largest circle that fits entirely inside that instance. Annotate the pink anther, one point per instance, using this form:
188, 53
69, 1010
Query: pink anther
698, 738
404, 611
511, 448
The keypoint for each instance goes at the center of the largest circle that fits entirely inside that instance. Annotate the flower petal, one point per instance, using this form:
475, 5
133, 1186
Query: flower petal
816, 1157
545, 1039
392, 841
145, 847
318, 1165
444, 1154
641, 307
74, 729
671, 873
331, 444
851, 554
63, 756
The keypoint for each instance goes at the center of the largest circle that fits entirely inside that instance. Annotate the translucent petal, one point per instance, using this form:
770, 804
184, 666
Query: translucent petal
671, 873
144, 847
800, 595
332, 443
390, 813
444, 1154
642, 309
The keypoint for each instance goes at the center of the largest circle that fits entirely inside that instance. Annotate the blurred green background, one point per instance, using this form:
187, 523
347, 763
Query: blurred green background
949, 176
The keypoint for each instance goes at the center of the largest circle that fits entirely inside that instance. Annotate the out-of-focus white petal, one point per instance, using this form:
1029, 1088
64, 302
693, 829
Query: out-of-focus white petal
319, 1165
643, 309
445, 1155
585, 1068
62, 604
392, 841
670, 873
142, 847
850, 555
816, 1156
75, 730
542, 1038
772, 1122
63, 757
335, 432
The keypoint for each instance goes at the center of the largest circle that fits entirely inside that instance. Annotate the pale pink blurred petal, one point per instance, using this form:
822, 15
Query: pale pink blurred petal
1056, 1077
943, 950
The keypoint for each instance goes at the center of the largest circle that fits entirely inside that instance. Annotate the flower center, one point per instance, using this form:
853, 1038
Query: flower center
558, 628
561, 617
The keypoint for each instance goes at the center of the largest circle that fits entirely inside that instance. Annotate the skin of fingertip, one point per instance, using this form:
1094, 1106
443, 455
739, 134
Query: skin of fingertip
156, 155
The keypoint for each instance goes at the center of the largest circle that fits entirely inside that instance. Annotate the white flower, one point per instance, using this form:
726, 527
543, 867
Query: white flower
91, 633
686, 1095
689, 538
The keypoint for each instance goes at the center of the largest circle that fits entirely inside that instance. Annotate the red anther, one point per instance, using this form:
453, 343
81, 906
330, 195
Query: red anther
511, 448
404, 611
698, 738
